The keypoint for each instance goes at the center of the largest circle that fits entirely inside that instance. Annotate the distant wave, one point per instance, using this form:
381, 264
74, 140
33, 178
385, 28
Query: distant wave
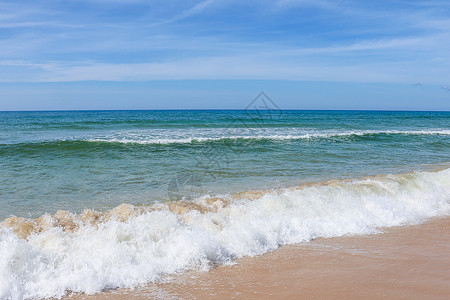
132, 245
215, 136
274, 137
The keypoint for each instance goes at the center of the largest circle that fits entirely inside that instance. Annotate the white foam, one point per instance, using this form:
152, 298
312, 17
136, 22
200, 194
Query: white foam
141, 250
198, 135
192, 135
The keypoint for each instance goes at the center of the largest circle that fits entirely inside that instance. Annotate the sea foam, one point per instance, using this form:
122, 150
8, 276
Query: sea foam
130, 245
224, 134
201, 135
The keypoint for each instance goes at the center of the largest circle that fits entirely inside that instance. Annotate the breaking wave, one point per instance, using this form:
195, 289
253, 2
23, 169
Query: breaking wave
133, 245
166, 137
265, 136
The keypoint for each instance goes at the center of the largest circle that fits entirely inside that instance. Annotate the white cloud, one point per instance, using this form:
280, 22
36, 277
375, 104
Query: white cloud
196, 9
232, 67
199, 7
39, 24
83, 48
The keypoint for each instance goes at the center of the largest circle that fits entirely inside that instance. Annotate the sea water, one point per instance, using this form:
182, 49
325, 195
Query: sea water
182, 176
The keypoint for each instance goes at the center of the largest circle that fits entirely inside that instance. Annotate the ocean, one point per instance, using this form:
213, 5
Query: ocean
95, 200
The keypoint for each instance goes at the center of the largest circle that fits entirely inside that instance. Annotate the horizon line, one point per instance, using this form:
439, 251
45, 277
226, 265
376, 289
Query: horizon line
219, 109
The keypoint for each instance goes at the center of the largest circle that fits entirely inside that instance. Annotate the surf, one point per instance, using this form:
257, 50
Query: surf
132, 245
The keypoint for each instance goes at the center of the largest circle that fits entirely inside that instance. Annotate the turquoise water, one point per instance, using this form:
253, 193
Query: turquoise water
80, 160
99, 159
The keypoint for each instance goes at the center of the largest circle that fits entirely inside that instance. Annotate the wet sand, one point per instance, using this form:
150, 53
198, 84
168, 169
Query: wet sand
410, 262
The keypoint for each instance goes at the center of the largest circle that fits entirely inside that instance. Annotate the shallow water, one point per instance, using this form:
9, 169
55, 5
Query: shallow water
100, 159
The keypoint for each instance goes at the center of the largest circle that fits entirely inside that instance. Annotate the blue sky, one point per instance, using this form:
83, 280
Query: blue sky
117, 54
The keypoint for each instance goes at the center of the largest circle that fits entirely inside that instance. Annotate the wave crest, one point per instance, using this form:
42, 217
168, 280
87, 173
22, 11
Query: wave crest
148, 137
273, 137
132, 245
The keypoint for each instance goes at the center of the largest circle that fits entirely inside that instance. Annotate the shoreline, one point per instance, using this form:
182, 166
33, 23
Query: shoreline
406, 262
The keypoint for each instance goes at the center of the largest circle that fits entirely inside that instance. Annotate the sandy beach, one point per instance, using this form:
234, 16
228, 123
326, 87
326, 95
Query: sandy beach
410, 262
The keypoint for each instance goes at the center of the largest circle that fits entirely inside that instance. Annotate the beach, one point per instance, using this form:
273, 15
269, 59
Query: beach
211, 149
408, 262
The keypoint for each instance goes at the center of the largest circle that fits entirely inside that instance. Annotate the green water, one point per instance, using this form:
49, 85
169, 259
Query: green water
99, 159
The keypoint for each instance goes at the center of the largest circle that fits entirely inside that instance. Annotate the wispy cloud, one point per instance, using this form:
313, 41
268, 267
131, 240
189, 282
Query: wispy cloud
38, 24
367, 45
223, 67
196, 9
324, 4
143, 40
199, 7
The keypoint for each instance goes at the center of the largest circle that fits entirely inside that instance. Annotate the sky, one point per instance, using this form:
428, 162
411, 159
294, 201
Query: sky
305, 54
